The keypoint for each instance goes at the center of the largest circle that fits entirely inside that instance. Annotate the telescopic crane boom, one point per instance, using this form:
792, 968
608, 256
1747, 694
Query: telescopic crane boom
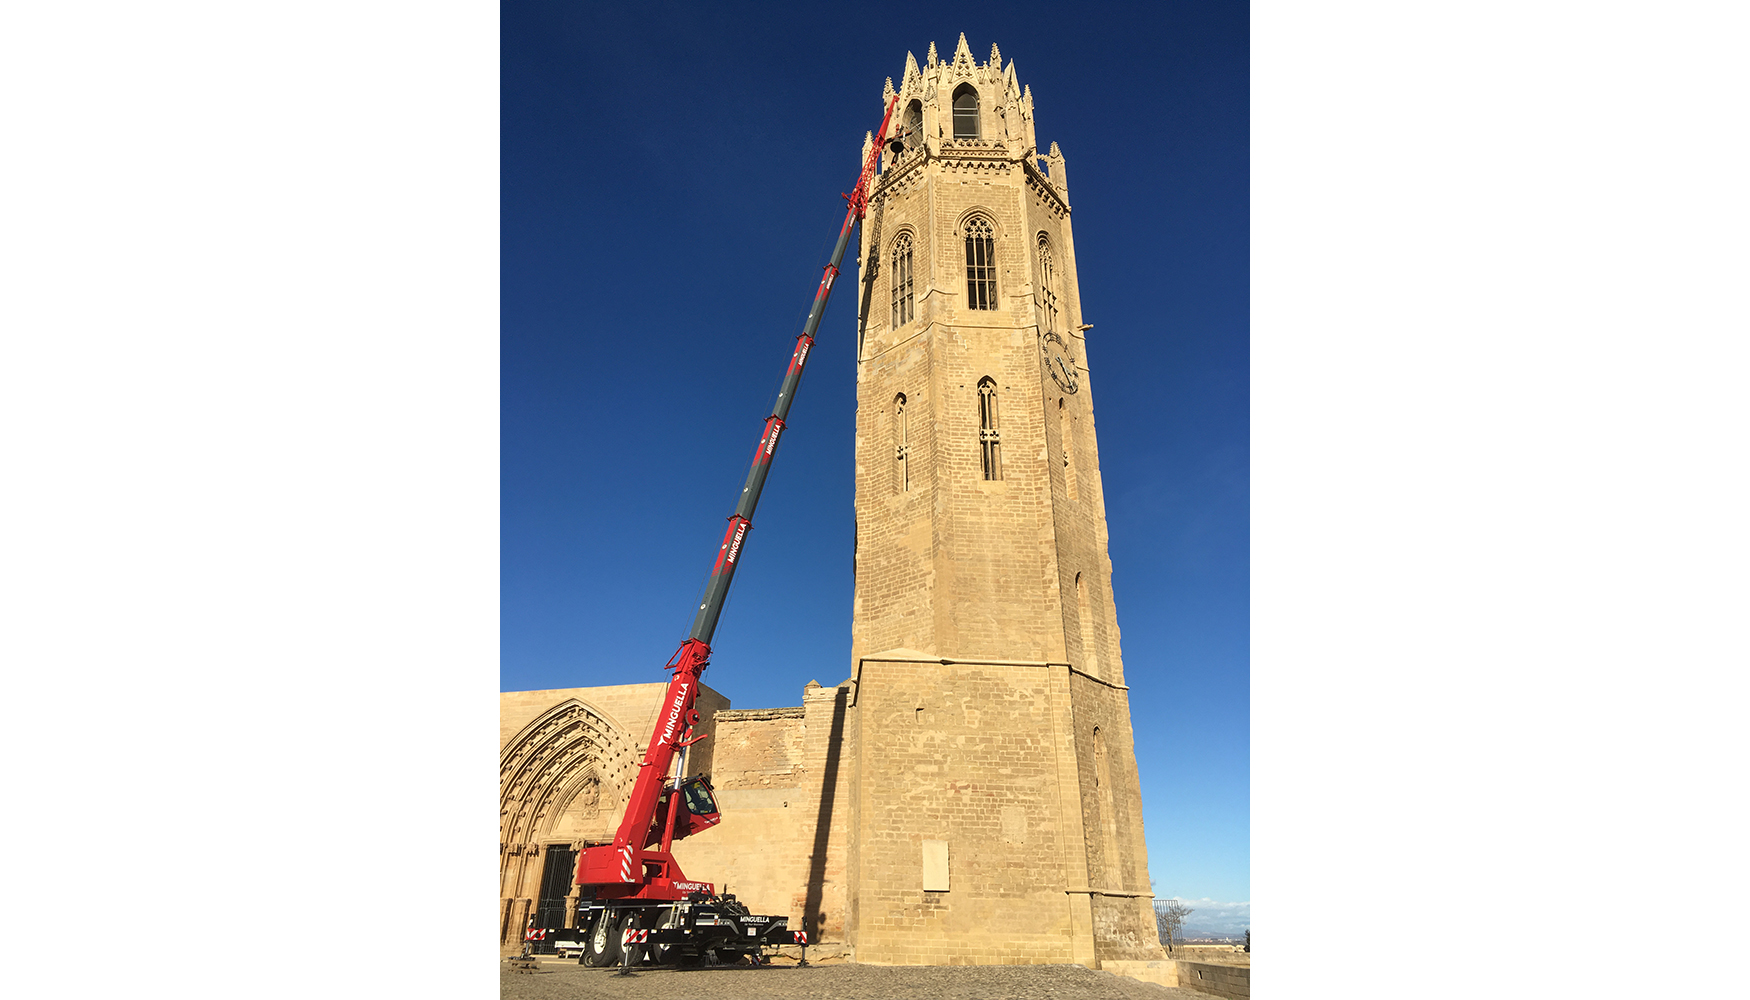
630, 869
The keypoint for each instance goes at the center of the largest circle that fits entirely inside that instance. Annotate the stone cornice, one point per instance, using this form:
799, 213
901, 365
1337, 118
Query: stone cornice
988, 149
753, 714
947, 661
973, 153
1037, 181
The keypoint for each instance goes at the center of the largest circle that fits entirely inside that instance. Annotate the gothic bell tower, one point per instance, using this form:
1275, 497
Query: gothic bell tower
995, 814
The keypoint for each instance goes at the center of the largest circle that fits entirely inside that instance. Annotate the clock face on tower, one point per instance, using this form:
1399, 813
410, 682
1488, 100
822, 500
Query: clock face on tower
1060, 363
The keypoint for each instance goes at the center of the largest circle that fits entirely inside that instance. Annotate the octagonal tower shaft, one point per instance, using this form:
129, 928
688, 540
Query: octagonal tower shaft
996, 803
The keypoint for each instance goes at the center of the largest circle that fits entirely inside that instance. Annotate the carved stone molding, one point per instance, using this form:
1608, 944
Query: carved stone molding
558, 756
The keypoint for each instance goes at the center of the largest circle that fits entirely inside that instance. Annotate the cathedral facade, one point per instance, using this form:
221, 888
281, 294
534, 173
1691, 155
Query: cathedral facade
969, 793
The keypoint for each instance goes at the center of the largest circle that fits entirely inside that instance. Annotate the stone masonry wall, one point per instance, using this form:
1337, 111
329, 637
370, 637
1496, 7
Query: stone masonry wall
781, 845
991, 595
758, 780
1111, 799
965, 754
959, 564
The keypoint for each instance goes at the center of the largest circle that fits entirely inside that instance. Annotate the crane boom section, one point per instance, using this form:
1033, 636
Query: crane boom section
735, 537
627, 862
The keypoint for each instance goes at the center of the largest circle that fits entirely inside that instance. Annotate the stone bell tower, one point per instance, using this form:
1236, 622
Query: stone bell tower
995, 813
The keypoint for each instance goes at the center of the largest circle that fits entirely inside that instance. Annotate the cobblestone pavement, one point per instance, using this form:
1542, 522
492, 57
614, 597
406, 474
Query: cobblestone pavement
566, 980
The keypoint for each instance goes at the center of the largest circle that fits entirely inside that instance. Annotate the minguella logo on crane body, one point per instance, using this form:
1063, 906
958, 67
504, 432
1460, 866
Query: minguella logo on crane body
674, 713
735, 546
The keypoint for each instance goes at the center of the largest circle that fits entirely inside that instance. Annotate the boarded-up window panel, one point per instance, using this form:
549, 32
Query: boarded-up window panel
935, 866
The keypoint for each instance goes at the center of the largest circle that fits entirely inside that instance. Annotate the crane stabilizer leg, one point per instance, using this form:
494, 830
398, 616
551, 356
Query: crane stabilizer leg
627, 870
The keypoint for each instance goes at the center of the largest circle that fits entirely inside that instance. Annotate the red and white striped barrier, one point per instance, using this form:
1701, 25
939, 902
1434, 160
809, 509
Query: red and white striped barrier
533, 934
801, 937
630, 936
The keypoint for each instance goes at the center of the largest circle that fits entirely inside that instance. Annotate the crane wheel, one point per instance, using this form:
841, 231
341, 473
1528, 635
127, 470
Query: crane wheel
602, 947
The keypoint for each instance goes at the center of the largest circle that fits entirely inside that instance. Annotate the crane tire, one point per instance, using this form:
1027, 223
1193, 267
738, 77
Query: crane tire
602, 947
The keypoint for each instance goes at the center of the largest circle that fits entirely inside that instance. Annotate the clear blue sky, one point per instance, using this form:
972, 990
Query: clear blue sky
671, 179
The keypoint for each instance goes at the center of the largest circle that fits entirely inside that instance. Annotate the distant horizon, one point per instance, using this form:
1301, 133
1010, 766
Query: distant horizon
1210, 917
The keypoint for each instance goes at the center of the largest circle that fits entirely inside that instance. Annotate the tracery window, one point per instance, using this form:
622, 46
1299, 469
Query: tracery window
914, 126
901, 447
989, 438
966, 112
1047, 286
901, 281
981, 264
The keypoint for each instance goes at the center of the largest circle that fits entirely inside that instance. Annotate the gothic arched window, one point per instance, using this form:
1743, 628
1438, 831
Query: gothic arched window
914, 126
981, 264
988, 438
1047, 286
901, 281
966, 112
901, 447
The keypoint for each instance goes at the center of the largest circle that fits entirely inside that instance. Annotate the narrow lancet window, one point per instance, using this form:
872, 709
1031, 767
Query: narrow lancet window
1047, 286
901, 447
1085, 611
981, 264
1111, 862
988, 436
1067, 432
902, 292
966, 112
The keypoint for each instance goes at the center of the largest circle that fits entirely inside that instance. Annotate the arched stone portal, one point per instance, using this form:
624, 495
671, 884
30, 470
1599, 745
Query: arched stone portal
563, 780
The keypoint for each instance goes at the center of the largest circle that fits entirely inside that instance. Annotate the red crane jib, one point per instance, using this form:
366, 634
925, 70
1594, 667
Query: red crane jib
638, 864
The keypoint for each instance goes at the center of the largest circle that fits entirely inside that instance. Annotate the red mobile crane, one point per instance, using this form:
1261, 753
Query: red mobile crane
635, 882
